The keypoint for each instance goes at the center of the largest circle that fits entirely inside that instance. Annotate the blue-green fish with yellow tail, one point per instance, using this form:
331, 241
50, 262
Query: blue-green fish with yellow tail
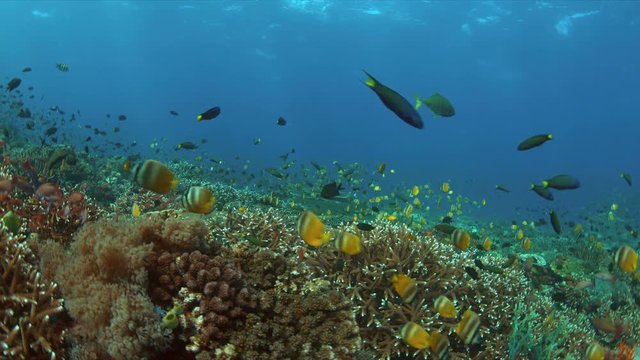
395, 102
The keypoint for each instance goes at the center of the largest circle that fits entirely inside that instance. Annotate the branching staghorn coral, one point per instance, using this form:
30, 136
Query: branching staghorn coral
439, 269
28, 305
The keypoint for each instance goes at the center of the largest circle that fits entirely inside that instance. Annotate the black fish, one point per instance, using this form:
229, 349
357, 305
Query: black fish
534, 141
281, 121
122, 117
545, 193
87, 139
375, 209
395, 102
173, 113
555, 222
330, 190
209, 114
14, 83
561, 182
116, 129
187, 145
27, 69
502, 188
50, 131
365, 226
626, 177
447, 219
472, 272
24, 113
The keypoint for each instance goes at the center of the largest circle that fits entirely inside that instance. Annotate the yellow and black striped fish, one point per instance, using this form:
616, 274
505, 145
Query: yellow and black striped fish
626, 258
439, 345
461, 239
468, 329
404, 286
155, 176
415, 335
311, 228
198, 199
349, 243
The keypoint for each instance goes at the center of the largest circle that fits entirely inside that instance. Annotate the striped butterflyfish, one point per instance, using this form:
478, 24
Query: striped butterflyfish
468, 328
626, 258
461, 239
155, 176
415, 335
349, 243
311, 228
404, 286
198, 199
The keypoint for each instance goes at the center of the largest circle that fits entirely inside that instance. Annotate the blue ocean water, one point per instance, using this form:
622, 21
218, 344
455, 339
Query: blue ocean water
511, 70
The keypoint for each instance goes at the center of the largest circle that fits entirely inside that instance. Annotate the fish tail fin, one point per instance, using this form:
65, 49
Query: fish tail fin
371, 81
419, 102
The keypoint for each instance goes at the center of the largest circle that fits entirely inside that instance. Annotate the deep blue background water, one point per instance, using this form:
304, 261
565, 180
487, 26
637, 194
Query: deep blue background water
511, 70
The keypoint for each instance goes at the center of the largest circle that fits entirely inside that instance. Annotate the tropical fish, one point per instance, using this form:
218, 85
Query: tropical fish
155, 176
257, 141
13, 84
187, 145
275, 172
544, 193
468, 327
555, 222
445, 307
209, 114
561, 182
365, 227
439, 345
198, 199
135, 210
626, 258
595, 351
311, 229
405, 287
380, 168
330, 190
472, 272
526, 244
349, 243
502, 188
392, 217
395, 102
415, 190
461, 239
62, 67
626, 177
438, 104
486, 244
281, 121
415, 335
445, 187
534, 141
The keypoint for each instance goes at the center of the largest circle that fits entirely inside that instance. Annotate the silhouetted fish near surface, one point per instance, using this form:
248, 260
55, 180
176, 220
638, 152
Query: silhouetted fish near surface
395, 102
561, 182
62, 67
502, 188
626, 177
27, 69
122, 117
187, 145
330, 190
173, 113
281, 121
209, 114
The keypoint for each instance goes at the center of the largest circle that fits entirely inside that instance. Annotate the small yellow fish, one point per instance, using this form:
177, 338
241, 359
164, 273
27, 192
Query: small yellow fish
242, 210
392, 217
614, 207
135, 210
611, 217
416, 202
445, 187
376, 188
626, 258
408, 211
415, 336
349, 243
405, 287
445, 307
520, 234
526, 244
461, 239
439, 345
415, 191
468, 328
486, 244
311, 229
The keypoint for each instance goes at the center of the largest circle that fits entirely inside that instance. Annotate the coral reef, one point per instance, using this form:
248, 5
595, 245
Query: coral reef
32, 323
104, 281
